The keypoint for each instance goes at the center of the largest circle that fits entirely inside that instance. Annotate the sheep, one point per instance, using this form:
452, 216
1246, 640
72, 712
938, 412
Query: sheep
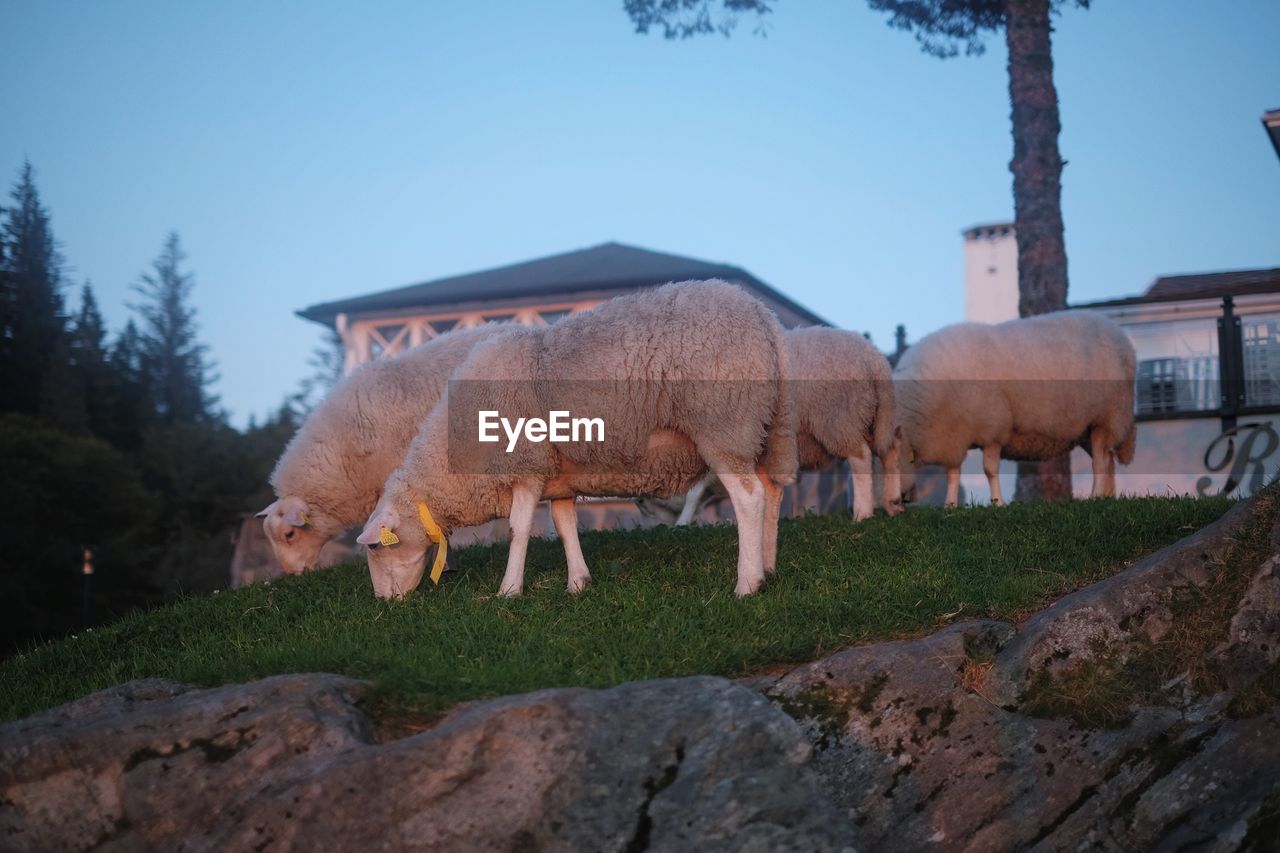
330, 475
685, 377
1025, 389
842, 392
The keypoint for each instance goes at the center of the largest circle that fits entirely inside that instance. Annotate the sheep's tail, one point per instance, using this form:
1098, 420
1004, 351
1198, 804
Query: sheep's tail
1125, 449
779, 460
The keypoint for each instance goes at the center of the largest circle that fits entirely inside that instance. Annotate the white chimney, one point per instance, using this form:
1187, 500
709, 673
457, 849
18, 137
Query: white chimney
990, 273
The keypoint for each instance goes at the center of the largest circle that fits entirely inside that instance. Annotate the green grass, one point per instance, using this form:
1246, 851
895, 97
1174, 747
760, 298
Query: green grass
661, 604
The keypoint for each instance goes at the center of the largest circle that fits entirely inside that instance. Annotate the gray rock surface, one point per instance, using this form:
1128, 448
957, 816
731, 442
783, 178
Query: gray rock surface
290, 763
941, 743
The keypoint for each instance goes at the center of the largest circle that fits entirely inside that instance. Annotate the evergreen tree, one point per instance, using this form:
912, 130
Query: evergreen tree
132, 409
31, 319
326, 363
174, 361
92, 368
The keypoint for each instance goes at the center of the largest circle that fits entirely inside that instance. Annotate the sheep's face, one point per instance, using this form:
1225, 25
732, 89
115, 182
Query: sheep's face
295, 537
397, 552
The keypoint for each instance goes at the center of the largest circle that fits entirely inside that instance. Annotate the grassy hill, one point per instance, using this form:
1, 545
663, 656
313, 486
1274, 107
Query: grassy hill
661, 604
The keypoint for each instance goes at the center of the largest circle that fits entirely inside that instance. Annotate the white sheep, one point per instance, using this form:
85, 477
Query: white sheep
1025, 389
842, 391
684, 377
330, 475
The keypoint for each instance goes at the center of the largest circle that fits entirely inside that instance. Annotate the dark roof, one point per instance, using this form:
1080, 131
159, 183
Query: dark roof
1271, 121
1215, 285
609, 266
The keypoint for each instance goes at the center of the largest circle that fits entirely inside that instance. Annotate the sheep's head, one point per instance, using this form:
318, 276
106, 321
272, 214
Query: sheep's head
398, 544
295, 532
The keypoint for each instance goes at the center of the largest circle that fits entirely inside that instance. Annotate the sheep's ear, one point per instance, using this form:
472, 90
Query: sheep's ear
382, 519
294, 511
897, 433
267, 510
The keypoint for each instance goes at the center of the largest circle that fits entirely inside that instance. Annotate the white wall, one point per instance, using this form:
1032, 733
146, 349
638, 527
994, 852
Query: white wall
990, 274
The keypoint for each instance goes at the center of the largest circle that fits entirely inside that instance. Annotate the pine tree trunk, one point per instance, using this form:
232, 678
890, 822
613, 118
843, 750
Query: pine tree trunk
1037, 200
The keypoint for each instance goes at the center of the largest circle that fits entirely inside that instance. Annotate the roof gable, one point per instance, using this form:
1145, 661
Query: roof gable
607, 266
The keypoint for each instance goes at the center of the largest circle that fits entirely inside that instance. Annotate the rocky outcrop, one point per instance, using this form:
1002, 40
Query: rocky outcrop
290, 763
1139, 713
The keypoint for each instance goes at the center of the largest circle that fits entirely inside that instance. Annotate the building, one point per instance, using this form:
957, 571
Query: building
537, 292
1207, 392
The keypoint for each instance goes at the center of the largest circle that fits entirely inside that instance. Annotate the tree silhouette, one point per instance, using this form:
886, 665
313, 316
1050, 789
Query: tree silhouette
31, 318
91, 365
173, 360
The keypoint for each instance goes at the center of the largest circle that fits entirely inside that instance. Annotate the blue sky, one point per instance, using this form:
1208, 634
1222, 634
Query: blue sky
308, 151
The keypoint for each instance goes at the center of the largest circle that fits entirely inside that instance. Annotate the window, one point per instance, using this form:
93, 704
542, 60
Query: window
553, 317
1261, 360
1177, 366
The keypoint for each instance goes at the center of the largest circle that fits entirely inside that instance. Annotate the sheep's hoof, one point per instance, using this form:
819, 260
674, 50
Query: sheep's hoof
509, 592
997, 503
577, 585
743, 590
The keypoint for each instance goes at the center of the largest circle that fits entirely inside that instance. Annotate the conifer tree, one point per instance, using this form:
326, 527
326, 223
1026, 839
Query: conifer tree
32, 323
174, 360
91, 366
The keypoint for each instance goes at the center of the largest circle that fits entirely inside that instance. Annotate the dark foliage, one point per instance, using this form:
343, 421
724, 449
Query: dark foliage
686, 18
63, 492
115, 446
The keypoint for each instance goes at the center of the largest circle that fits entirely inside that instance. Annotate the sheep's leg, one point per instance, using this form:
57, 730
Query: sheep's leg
747, 496
565, 515
524, 500
691, 501
863, 495
991, 467
772, 511
1104, 465
892, 496
953, 486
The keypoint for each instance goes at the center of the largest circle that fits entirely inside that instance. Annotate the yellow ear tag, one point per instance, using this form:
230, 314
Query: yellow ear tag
436, 535
386, 537
306, 520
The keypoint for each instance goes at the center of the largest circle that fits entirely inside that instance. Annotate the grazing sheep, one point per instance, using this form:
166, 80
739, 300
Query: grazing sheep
684, 377
1025, 389
842, 392
331, 473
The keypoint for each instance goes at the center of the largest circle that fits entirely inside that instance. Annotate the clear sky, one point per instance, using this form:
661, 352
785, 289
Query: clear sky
308, 151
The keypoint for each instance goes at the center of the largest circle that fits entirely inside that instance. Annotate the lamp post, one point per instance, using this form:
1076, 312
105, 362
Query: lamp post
86, 571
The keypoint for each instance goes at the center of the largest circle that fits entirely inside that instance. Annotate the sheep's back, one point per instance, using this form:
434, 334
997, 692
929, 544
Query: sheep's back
359, 433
